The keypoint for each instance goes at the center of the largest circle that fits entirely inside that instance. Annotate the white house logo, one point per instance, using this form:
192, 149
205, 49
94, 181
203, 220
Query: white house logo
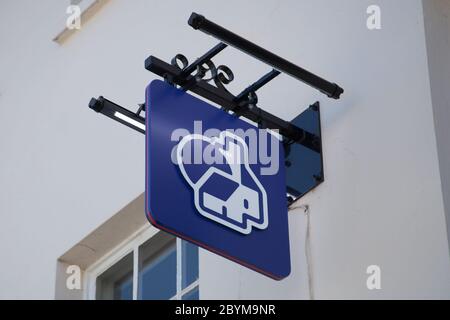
223, 196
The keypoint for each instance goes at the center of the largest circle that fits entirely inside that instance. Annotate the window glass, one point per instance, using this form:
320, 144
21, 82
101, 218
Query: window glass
189, 262
117, 281
158, 268
123, 289
191, 295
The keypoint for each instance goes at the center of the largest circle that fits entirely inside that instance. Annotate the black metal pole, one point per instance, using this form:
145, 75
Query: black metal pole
204, 58
228, 101
199, 22
257, 85
118, 113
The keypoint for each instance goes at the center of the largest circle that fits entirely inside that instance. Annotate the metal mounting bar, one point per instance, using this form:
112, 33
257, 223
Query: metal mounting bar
258, 84
199, 22
163, 69
118, 113
204, 58
228, 102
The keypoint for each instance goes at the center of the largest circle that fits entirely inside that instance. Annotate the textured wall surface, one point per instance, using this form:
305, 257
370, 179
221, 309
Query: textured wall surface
64, 170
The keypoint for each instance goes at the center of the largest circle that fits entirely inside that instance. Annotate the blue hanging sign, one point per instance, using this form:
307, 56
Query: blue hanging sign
216, 180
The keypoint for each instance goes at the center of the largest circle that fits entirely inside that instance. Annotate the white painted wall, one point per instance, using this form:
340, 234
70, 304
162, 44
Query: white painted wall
381, 202
437, 27
64, 169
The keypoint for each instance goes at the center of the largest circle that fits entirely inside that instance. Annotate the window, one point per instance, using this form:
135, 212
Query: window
159, 268
117, 282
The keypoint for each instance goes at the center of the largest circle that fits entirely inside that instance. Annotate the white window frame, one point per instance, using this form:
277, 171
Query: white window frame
131, 245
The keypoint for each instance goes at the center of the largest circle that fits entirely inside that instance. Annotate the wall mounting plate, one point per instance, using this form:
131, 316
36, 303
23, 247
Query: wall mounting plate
304, 167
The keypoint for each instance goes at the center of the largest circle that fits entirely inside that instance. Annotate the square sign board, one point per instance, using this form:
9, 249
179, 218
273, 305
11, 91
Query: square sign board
216, 180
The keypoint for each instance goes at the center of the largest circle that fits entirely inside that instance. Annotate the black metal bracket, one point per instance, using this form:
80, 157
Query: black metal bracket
301, 140
243, 104
304, 167
133, 120
199, 22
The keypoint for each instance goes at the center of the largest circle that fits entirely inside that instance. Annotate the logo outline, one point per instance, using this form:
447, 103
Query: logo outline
249, 223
